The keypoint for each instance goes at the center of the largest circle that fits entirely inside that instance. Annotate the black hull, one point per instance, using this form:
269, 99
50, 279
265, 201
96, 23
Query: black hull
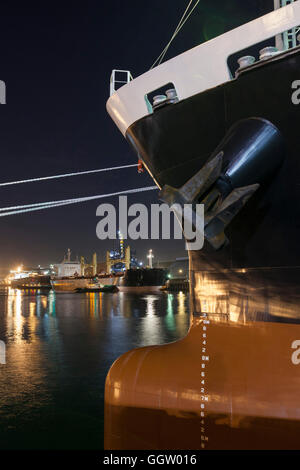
233, 381
263, 256
144, 277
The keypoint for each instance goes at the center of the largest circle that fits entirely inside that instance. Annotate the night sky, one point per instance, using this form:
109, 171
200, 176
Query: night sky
56, 60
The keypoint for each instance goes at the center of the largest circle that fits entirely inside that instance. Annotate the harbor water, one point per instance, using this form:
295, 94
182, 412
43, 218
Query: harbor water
59, 348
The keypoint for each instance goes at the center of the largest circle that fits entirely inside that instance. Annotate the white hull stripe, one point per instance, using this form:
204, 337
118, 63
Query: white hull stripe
198, 69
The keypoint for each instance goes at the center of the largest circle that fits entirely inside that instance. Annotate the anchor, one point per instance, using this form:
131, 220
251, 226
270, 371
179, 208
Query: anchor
250, 153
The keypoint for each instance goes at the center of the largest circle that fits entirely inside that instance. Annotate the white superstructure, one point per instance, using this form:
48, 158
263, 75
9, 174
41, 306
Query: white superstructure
68, 267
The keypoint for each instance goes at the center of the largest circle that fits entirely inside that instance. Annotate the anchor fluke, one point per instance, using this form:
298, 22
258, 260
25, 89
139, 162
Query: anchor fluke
196, 186
215, 224
248, 156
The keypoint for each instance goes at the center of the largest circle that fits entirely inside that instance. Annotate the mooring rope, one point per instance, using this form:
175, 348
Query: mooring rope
180, 25
67, 175
13, 210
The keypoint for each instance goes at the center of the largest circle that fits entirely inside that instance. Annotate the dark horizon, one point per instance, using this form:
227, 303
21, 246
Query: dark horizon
56, 63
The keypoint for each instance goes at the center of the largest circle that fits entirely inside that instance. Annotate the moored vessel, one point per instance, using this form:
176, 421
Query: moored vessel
31, 282
142, 280
232, 144
73, 283
71, 275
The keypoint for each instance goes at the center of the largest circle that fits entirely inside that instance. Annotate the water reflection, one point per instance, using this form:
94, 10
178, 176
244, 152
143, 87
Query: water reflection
59, 349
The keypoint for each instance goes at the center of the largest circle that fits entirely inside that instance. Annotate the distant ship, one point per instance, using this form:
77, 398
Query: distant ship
143, 280
31, 282
132, 280
72, 283
231, 143
71, 275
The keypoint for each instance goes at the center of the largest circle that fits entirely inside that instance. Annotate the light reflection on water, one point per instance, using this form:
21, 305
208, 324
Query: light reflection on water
59, 349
